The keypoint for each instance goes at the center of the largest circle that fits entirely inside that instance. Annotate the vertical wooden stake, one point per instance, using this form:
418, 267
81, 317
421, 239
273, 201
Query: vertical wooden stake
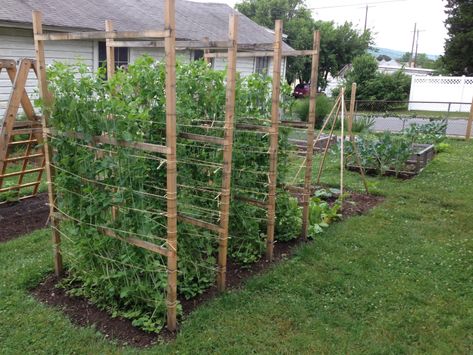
274, 133
470, 123
227, 155
110, 51
47, 100
171, 193
352, 109
310, 134
342, 143
206, 50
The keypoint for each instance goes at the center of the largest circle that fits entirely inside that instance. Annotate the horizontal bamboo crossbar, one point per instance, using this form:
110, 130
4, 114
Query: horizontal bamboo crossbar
252, 127
179, 44
7, 63
105, 139
23, 142
296, 124
251, 201
199, 223
17, 173
111, 233
17, 132
31, 156
202, 138
102, 35
261, 54
17, 187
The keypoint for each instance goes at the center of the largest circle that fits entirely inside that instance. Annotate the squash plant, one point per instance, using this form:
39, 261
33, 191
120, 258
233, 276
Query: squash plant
129, 281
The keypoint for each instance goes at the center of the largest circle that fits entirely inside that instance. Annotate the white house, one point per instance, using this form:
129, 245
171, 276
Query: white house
392, 66
194, 21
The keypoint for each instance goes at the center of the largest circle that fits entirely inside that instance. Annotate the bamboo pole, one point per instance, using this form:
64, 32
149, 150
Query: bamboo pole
352, 138
470, 123
171, 177
47, 100
318, 136
227, 155
274, 133
324, 155
352, 109
110, 50
310, 133
342, 143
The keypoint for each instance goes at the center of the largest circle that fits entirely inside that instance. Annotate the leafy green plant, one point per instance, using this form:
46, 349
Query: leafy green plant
381, 153
321, 215
433, 132
129, 281
323, 107
288, 217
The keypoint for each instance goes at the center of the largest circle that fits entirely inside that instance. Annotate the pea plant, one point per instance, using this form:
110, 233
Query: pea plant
94, 180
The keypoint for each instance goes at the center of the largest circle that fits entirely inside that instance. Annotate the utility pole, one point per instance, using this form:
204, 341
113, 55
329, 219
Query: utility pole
412, 48
417, 48
366, 17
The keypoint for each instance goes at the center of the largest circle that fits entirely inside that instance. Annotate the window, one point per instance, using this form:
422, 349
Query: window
121, 56
198, 54
261, 65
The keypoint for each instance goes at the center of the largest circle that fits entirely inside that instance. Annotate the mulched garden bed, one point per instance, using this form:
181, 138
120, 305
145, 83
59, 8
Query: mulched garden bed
22, 217
83, 313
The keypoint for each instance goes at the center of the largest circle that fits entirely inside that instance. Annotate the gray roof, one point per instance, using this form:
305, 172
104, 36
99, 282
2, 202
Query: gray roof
194, 20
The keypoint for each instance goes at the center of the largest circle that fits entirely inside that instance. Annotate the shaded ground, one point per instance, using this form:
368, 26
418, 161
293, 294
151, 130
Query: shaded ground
19, 218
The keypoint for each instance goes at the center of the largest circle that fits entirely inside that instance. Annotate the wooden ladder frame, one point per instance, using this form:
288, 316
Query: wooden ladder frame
12, 127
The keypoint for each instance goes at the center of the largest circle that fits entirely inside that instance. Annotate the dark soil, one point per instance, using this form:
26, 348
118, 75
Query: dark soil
22, 217
83, 313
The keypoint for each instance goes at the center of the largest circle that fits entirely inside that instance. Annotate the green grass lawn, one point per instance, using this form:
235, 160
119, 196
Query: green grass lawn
397, 280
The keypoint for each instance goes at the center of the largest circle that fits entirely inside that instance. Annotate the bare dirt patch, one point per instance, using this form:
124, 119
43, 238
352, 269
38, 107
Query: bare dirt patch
22, 217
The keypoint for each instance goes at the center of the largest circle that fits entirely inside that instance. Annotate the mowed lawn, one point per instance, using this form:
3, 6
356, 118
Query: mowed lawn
397, 280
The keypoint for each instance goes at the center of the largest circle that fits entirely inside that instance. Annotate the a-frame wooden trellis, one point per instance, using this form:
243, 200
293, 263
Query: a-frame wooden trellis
21, 152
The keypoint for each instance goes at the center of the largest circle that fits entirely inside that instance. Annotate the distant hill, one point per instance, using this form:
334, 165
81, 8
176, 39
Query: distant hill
394, 54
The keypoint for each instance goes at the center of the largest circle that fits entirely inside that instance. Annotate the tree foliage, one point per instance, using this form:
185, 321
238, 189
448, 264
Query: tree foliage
372, 85
339, 44
422, 61
459, 45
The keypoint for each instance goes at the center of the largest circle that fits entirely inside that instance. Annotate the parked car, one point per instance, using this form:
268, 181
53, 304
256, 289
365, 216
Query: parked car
301, 90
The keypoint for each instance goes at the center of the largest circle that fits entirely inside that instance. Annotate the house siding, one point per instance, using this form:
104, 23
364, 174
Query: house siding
17, 43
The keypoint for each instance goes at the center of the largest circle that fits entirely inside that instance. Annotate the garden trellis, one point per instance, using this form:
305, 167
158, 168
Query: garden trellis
168, 249
104, 148
20, 140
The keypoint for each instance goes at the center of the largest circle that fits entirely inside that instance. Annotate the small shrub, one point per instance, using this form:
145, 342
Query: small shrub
322, 109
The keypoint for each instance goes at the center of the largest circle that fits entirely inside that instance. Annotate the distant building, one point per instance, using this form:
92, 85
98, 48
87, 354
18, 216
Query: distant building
392, 66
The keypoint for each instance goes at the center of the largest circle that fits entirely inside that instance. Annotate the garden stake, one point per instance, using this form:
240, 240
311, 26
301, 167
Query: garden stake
342, 144
310, 134
47, 100
470, 123
227, 154
273, 150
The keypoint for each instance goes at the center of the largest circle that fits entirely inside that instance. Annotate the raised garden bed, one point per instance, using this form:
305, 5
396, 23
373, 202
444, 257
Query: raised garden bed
424, 153
319, 145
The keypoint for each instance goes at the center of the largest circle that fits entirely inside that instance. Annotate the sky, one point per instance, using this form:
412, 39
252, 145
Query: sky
391, 21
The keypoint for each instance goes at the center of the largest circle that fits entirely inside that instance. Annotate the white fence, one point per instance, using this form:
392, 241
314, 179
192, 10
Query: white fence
441, 93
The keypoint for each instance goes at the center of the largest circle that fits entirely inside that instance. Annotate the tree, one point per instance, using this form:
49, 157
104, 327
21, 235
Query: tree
372, 85
458, 59
339, 44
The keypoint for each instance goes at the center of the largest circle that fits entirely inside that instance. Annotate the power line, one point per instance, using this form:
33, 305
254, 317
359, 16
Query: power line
355, 5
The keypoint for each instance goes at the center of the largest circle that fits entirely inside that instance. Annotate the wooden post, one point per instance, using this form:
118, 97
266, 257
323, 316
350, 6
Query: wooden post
274, 132
352, 109
110, 51
227, 155
310, 134
47, 100
171, 191
470, 123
